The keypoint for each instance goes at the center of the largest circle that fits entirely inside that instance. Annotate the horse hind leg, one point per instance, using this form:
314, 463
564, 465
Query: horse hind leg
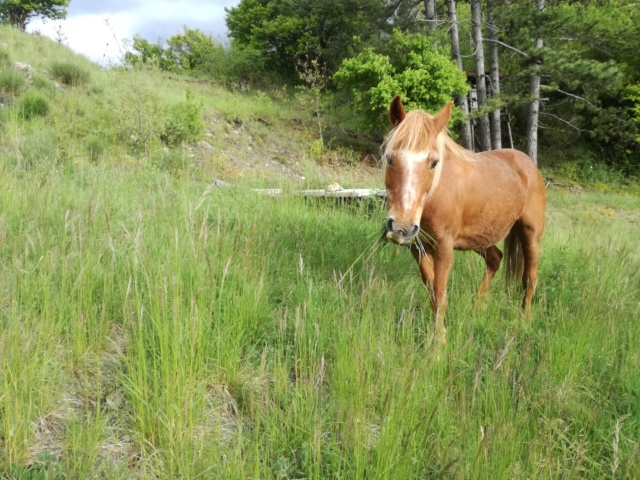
492, 256
531, 240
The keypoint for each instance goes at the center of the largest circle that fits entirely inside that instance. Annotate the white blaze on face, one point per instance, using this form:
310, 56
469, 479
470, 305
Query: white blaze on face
412, 194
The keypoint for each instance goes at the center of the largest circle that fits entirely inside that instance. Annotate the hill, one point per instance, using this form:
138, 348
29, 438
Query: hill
146, 117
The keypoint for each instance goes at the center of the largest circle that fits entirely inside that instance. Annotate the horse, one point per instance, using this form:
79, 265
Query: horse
442, 197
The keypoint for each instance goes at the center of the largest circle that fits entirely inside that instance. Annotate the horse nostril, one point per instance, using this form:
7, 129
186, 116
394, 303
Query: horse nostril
414, 231
389, 224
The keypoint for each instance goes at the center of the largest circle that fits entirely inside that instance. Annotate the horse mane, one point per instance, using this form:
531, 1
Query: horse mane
415, 134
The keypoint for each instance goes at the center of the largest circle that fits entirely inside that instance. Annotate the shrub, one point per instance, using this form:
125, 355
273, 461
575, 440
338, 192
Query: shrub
11, 82
69, 73
184, 122
33, 104
411, 67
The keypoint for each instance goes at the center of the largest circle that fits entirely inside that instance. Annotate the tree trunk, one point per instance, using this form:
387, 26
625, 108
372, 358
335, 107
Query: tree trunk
465, 134
494, 68
534, 94
481, 86
430, 14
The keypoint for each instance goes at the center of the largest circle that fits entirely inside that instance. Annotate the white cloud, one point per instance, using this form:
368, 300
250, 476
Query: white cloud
86, 31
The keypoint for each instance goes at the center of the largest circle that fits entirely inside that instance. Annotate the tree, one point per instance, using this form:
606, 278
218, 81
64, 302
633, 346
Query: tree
481, 85
19, 12
430, 14
461, 99
408, 65
191, 50
494, 72
291, 32
534, 94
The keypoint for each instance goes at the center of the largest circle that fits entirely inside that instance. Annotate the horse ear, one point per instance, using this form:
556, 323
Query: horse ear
396, 111
443, 116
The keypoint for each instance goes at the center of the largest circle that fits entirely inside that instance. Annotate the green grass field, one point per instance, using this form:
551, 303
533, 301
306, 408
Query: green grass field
154, 326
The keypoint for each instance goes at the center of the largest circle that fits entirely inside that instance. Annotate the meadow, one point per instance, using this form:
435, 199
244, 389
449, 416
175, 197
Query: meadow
154, 325
157, 327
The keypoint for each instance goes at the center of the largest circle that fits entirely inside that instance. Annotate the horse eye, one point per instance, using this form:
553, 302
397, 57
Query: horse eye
389, 162
433, 164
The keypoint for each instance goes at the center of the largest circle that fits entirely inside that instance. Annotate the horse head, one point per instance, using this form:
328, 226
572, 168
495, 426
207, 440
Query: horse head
413, 153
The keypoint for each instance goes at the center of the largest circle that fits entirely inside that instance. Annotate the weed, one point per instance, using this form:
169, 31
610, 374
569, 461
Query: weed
69, 73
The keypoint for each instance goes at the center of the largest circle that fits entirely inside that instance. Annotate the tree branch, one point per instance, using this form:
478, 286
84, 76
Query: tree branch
566, 122
524, 54
569, 95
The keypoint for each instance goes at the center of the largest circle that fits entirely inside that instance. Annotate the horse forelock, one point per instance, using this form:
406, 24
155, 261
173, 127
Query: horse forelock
414, 135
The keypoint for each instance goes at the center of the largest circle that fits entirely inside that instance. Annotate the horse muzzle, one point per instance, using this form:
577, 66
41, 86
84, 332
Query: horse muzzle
400, 234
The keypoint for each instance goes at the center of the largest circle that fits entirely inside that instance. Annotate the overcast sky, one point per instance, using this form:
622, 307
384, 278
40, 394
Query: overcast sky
86, 30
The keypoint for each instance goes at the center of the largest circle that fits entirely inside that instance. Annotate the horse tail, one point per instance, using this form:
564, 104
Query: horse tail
514, 257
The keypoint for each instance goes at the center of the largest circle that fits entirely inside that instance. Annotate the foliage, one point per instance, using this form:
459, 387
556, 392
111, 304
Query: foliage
196, 53
288, 32
412, 67
237, 68
184, 121
588, 61
32, 105
19, 12
69, 73
145, 53
191, 50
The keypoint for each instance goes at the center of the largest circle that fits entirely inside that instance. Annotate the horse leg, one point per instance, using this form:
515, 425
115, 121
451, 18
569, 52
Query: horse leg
442, 261
531, 239
425, 262
492, 256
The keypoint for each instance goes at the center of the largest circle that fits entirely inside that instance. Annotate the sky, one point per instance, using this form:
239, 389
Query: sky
98, 28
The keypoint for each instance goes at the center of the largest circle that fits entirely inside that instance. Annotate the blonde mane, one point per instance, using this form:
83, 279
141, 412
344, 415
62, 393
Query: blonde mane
415, 134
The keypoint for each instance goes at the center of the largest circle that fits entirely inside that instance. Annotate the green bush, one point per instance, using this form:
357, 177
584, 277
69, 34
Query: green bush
32, 105
184, 122
410, 66
11, 81
69, 73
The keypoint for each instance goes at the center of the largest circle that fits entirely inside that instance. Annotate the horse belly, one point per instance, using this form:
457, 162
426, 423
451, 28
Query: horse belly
489, 223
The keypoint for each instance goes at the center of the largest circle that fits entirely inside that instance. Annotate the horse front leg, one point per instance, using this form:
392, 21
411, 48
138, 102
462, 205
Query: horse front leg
425, 262
435, 268
442, 262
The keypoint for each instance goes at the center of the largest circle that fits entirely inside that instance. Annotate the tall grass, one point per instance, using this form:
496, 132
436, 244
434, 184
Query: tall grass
156, 327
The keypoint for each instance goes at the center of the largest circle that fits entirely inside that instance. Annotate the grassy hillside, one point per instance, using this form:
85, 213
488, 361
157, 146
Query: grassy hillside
154, 326
124, 119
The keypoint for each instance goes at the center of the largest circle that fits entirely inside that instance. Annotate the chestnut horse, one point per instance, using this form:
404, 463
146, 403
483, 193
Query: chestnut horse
442, 198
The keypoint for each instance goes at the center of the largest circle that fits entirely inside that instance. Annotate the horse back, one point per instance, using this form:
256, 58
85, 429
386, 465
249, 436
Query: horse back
479, 202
